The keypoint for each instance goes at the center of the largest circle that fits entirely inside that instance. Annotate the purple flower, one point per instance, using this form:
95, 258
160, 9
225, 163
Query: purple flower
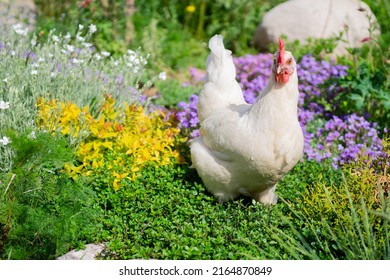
305, 116
195, 133
253, 72
30, 55
344, 139
197, 76
187, 114
119, 79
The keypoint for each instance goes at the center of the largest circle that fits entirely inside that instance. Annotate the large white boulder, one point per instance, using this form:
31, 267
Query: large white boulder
301, 19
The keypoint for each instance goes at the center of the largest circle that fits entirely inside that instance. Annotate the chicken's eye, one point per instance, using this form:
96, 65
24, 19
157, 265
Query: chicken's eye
289, 61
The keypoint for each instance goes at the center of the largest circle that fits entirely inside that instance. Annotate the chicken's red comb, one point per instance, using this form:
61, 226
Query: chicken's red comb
281, 51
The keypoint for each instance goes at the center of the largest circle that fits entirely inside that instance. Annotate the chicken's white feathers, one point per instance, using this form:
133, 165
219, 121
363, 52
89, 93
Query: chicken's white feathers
219, 64
245, 149
221, 88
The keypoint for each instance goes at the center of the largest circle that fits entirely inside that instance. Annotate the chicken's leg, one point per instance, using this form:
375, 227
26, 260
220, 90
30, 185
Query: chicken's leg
267, 197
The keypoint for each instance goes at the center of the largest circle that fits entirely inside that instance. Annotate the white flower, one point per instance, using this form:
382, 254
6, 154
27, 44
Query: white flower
98, 56
162, 76
32, 135
34, 72
53, 74
41, 59
4, 105
87, 45
5, 141
92, 28
18, 28
13, 53
68, 36
106, 54
144, 61
132, 58
35, 65
33, 42
5, 80
79, 38
55, 38
77, 61
81, 27
70, 48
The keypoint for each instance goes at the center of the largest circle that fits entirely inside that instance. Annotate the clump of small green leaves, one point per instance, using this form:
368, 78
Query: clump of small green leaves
366, 87
171, 92
43, 213
304, 176
167, 214
320, 48
191, 224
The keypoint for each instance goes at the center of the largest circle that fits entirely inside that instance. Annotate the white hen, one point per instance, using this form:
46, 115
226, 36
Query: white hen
245, 149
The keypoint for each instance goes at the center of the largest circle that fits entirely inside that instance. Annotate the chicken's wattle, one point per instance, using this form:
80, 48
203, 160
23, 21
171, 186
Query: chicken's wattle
282, 77
285, 76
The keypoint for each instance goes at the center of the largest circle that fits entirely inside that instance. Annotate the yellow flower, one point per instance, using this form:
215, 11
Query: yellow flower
118, 142
190, 9
118, 179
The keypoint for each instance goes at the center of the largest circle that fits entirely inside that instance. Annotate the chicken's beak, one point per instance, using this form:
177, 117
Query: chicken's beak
279, 69
281, 74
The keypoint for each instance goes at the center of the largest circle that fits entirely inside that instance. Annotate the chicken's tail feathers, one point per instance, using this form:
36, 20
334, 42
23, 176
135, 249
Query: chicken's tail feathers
221, 88
217, 47
219, 65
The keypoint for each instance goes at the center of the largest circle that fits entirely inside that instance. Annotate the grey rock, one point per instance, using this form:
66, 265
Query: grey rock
89, 253
301, 19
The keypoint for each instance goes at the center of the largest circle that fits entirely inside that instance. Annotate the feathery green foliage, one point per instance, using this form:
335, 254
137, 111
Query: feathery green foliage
42, 212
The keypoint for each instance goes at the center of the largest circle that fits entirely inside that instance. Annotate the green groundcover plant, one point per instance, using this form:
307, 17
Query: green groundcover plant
167, 214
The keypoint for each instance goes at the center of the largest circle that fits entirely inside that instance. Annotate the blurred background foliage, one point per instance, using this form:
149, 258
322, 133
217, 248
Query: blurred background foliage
236, 20
174, 35
173, 29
